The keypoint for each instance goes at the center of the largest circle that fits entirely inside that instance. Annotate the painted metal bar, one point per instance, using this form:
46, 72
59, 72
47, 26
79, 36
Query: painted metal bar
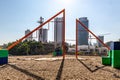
40, 26
93, 34
63, 41
76, 40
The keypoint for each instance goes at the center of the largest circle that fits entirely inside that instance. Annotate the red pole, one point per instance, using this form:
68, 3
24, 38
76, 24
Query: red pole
93, 34
76, 40
18, 41
63, 29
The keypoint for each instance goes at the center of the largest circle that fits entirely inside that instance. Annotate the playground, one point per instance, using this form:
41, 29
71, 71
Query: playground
34, 68
61, 66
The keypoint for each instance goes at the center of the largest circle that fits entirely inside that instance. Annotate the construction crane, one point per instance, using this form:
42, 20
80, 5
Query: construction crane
70, 40
90, 37
104, 34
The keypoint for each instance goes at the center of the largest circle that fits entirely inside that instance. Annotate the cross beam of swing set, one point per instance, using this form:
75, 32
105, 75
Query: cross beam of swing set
78, 21
40, 26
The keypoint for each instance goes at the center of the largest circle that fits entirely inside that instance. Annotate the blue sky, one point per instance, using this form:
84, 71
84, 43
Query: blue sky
18, 15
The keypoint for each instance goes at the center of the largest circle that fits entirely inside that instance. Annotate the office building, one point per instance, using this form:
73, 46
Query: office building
82, 33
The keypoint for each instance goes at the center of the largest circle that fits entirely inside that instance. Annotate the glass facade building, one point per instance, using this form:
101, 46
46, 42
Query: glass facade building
82, 33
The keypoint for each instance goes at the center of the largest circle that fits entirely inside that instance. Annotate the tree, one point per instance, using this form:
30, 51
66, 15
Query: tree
23, 49
31, 48
35, 47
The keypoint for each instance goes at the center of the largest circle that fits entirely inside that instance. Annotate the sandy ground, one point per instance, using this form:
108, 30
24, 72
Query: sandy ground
55, 68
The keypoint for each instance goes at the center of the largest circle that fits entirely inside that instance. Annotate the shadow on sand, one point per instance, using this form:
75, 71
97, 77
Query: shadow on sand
26, 72
58, 77
97, 68
3, 66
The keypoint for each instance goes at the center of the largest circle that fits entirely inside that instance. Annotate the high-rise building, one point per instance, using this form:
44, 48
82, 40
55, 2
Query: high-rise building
30, 37
58, 33
82, 33
98, 42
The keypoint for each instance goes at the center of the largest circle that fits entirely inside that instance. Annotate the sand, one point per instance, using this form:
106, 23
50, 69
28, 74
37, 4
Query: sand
46, 67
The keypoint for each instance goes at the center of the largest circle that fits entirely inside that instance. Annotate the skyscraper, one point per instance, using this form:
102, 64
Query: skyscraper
82, 33
29, 38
